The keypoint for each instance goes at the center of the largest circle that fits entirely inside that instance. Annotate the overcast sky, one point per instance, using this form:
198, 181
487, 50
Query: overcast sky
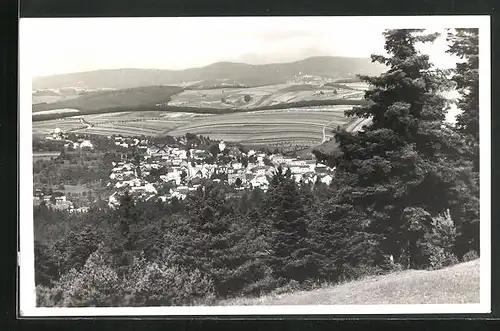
65, 45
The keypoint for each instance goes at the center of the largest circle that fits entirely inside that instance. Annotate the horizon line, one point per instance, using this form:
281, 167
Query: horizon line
199, 67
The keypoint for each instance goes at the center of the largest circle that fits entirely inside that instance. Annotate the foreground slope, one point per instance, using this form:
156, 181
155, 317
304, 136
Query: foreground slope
453, 285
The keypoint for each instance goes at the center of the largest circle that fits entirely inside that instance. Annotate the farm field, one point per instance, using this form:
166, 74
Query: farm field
44, 155
65, 124
55, 111
294, 125
234, 98
245, 122
130, 123
362, 86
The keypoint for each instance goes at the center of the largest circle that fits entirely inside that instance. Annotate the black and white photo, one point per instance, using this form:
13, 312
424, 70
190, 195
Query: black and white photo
254, 165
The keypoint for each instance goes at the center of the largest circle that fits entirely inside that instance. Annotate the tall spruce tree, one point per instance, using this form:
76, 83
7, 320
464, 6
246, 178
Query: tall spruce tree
405, 160
464, 43
291, 253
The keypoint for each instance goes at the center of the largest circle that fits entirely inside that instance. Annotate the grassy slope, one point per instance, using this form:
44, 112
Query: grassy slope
453, 285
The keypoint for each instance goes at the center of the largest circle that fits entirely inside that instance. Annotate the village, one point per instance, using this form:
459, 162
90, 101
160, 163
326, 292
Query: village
163, 171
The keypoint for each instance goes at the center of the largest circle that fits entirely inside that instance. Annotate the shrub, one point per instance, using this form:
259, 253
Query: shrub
45, 296
290, 287
263, 285
96, 284
159, 283
441, 241
444, 231
440, 258
470, 256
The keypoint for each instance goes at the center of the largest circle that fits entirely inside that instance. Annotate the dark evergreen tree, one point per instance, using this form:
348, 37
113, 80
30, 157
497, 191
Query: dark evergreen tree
464, 43
406, 157
291, 253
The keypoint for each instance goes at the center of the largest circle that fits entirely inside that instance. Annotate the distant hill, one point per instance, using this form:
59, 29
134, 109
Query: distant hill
247, 74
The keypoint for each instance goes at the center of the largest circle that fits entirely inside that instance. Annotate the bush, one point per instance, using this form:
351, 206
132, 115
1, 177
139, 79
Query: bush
470, 256
290, 287
96, 284
159, 283
440, 258
441, 242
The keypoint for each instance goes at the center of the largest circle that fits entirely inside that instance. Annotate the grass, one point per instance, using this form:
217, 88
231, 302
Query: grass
454, 285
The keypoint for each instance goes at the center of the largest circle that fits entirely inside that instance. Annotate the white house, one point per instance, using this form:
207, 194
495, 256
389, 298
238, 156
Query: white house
327, 179
260, 181
236, 165
222, 145
86, 144
61, 199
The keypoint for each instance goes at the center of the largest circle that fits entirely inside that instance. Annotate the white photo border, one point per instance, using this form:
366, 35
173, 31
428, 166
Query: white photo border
27, 293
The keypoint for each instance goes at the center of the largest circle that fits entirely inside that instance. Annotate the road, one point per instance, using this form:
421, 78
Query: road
353, 127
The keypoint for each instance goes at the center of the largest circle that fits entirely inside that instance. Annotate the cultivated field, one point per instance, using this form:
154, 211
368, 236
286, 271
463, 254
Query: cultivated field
454, 285
232, 114
281, 126
67, 124
55, 111
362, 86
234, 98
149, 123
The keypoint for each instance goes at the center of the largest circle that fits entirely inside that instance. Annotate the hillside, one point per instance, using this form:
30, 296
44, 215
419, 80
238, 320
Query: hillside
453, 285
247, 74
127, 99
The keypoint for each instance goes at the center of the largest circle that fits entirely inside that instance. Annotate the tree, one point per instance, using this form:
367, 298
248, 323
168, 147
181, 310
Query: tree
406, 157
183, 176
291, 257
238, 182
247, 98
214, 149
464, 43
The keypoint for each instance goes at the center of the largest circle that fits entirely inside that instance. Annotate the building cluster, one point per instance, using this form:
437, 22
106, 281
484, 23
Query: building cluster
182, 171
57, 201
166, 172
59, 135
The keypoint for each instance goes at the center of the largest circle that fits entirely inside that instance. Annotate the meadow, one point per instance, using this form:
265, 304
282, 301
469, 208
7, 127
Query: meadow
456, 284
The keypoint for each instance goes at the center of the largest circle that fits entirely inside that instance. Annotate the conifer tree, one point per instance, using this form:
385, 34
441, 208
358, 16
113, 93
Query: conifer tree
406, 159
291, 257
464, 43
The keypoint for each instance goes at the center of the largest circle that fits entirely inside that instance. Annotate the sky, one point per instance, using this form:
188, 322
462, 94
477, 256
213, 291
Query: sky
62, 45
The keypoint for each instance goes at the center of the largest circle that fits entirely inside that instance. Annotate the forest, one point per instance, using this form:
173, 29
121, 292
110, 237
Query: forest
405, 196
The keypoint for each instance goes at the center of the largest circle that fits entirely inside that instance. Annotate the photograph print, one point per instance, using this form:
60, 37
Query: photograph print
254, 165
